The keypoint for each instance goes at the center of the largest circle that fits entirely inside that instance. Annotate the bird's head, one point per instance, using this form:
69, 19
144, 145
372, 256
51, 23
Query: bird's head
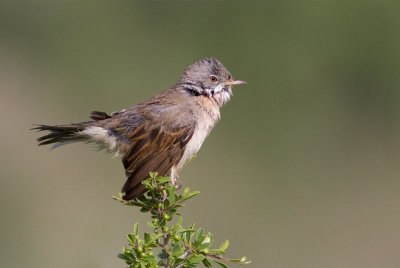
208, 77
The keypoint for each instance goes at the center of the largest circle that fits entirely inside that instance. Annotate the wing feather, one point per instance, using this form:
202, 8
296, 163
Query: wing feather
153, 150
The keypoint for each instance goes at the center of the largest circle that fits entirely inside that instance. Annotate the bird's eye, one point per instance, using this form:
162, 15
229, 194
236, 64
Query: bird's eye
229, 77
213, 78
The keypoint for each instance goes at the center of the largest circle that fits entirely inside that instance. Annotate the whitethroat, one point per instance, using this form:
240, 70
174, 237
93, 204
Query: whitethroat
159, 134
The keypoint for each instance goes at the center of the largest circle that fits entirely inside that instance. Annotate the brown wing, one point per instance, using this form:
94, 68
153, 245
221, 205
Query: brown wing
153, 150
96, 115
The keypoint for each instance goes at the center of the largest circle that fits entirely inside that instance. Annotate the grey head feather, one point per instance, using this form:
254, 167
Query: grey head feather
196, 76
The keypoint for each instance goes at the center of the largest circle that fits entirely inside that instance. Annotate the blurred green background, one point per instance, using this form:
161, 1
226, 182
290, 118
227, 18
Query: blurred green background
302, 171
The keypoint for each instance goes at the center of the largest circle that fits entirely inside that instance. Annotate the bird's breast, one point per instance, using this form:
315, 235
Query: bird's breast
207, 116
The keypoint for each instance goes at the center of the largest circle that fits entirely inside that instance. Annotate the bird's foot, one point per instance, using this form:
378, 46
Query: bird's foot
164, 196
178, 185
175, 183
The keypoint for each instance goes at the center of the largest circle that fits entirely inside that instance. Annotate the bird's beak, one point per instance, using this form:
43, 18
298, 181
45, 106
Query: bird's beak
234, 82
228, 83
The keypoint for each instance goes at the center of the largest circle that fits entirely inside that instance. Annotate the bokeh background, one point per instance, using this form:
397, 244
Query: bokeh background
302, 171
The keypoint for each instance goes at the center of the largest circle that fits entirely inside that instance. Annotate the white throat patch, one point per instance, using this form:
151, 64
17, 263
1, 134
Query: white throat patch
220, 94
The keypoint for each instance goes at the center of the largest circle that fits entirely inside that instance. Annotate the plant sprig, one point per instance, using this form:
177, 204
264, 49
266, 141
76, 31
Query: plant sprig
170, 245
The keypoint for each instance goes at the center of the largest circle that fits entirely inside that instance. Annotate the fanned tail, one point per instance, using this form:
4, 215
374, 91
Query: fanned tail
70, 133
61, 134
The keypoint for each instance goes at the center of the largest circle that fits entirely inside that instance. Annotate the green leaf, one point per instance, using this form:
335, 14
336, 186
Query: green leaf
224, 246
149, 259
196, 258
162, 255
211, 236
124, 257
217, 251
205, 243
166, 203
188, 236
154, 237
131, 239
186, 231
179, 221
190, 195
171, 195
186, 191
151, 224
144, 209
147, 184
146, 238
162, 180
243, 260
206, 262
198, 234
177, 250
152, 240
178, 228
171, 260
197, 243
142, 198
220, 263
136, 229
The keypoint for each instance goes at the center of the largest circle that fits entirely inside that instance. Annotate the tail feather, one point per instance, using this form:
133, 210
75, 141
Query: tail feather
61, 134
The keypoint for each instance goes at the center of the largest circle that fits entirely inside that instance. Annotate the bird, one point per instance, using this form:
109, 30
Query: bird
159, 134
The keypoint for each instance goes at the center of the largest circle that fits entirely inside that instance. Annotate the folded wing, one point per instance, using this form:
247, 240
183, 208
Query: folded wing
154, 148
